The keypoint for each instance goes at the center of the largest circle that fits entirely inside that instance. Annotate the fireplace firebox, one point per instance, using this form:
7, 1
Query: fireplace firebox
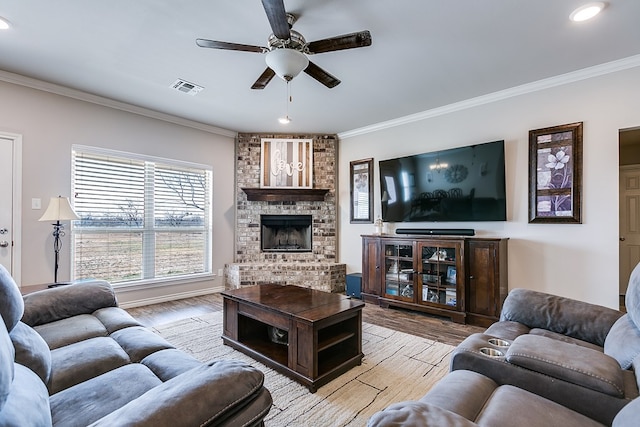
285, 233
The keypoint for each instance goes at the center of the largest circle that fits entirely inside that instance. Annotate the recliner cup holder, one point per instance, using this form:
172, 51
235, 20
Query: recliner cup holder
491, 352
498, 342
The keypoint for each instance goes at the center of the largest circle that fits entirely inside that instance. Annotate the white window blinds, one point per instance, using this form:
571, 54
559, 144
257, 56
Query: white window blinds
140, 218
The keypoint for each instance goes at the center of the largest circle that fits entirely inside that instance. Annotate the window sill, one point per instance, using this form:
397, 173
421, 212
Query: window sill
162, 282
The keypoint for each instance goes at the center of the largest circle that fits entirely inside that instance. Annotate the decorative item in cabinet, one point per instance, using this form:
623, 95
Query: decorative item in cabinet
438, 280
399, 272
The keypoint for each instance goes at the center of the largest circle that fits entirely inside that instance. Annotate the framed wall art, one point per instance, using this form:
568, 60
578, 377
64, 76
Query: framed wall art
286, 163
361, 191
555, 174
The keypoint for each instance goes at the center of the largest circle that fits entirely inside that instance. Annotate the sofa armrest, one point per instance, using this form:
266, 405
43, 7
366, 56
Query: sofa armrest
206, 395
62, 302
568, 362
577, 319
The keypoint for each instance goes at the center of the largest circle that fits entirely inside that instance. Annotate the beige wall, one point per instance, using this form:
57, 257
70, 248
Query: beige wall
578, 261
50, 124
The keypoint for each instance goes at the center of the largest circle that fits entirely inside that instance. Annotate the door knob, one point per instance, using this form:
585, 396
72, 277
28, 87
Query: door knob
4, 244
3, 231
622, 239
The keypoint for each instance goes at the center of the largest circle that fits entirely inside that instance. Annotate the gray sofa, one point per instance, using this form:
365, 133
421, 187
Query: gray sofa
548, 361
70, 357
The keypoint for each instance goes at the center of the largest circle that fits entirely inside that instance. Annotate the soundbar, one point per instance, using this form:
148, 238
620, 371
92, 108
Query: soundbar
438, 231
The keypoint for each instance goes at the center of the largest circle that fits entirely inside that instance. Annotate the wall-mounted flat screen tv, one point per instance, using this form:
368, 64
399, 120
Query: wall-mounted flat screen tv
458, 184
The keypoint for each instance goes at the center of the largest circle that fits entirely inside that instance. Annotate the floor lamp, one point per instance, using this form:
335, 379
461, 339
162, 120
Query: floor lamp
59, 209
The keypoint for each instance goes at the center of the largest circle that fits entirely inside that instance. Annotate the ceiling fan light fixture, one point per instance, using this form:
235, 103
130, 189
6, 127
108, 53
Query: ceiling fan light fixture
587, 11
286, 63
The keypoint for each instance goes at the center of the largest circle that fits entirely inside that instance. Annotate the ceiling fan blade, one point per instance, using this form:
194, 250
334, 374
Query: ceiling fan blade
277, 18
213, 44
264, 79
321, 75
347, 41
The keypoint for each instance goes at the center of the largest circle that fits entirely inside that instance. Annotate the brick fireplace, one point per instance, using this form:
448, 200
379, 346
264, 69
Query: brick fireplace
314, 267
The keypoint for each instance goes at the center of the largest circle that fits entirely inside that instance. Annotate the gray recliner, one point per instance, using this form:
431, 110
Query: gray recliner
553, 360
467, 399
69, 356
582, 356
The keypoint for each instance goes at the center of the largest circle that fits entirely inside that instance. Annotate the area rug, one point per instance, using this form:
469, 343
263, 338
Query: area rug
396, 366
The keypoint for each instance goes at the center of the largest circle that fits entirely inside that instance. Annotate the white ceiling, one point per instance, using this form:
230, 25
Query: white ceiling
424, 54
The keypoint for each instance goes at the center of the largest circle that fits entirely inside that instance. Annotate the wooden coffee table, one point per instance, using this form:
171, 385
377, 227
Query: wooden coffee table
320, 334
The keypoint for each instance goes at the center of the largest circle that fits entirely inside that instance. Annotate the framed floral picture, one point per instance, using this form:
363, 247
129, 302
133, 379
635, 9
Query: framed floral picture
555, 174
362, 191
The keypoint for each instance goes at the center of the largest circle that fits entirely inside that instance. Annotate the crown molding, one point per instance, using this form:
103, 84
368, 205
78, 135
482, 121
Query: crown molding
559, 80
107, 102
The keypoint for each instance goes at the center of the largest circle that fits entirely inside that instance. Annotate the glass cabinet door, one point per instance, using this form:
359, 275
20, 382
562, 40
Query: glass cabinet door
399, 271
439, 274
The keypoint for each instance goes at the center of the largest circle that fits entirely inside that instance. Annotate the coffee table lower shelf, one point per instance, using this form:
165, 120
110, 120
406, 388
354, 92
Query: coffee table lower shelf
329, 368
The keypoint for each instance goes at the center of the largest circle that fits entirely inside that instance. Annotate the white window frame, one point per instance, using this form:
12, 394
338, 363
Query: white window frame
149, 228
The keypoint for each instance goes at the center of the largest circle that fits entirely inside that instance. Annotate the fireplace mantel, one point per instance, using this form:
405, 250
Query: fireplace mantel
285, 194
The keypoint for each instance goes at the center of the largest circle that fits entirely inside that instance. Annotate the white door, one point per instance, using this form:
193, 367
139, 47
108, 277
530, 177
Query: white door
6, 209
629, 223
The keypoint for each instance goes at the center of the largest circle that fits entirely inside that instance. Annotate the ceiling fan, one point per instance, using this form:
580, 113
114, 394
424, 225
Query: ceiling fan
288, 50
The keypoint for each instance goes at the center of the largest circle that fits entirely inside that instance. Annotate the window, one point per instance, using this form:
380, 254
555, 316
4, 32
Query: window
141, 218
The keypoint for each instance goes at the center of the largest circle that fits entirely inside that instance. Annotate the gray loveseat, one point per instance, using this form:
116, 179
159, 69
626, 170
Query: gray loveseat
70, 357
548, 361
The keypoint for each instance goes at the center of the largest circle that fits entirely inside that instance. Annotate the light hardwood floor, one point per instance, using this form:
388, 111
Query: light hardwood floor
420, 324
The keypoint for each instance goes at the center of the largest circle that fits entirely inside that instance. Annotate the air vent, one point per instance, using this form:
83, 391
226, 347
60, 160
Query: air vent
186, 87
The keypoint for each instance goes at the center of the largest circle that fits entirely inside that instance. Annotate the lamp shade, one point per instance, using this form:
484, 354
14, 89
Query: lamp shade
59, 209
286, 63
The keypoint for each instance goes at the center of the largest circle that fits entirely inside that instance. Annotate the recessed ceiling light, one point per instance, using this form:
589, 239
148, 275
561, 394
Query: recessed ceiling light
4, 24
587, 11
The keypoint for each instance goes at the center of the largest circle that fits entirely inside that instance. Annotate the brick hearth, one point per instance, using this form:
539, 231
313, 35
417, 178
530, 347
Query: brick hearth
316, 269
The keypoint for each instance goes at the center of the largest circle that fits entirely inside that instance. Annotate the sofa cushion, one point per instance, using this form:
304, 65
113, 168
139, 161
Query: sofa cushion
632, 297
139, 342
63, 302
629, 415
195, 396
12, 306
568, 362
31, 350
169, 363
28, 401
71, 330
91, 400
507, 330
564, 338
512, 406
84, 360
577, 319
115, 318
623, 341
7, 355
463, 392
